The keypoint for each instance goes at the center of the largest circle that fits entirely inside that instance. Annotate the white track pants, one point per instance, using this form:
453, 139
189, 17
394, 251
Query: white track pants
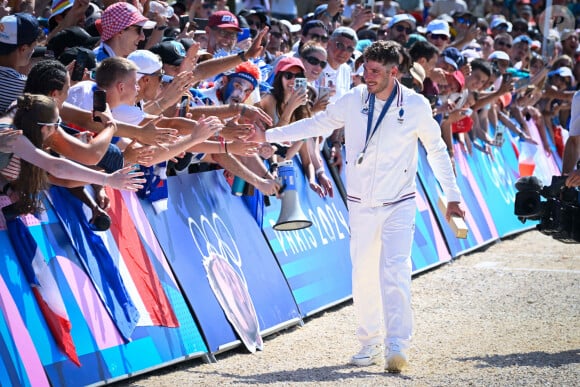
381, 241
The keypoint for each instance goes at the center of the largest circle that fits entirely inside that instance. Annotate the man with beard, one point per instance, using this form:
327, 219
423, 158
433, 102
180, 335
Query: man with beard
400, 27
381, 169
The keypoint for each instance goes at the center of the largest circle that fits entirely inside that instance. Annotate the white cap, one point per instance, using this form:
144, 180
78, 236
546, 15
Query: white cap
147, 62
293, 28
502, 55
403, 17
438, 27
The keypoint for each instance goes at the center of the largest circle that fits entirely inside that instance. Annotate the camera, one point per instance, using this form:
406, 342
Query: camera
559, 214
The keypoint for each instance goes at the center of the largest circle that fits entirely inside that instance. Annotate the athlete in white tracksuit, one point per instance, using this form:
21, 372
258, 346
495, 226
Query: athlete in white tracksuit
380, 181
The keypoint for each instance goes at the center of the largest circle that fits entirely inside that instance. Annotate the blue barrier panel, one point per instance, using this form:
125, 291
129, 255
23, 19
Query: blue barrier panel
478, 218
494, 176
429, 248
102, 351
315, 260
221, 261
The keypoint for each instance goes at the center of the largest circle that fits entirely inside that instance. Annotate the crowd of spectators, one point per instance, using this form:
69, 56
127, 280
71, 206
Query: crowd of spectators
188, 82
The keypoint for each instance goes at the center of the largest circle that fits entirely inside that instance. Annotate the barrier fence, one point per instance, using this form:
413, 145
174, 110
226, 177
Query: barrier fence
80, 307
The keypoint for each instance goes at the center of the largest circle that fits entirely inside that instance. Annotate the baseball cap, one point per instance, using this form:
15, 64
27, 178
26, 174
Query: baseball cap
71, 53
16, 30
562, 71
345, 32
403, 17
501, 55
71, 37
454, 57
522, 38
118, 16
498, 22
293, 28
59, 6
418, 73
171, 52
146, 61
223, 19
565, 34
287, 63
458, 77
438, 27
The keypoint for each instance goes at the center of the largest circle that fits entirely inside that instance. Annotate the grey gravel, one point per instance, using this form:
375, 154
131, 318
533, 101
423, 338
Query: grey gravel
507, 315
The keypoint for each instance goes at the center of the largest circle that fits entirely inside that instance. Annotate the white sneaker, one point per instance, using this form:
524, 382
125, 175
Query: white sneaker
396, 360
369, 354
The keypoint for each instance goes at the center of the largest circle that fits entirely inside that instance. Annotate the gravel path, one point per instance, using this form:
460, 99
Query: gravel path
506, 315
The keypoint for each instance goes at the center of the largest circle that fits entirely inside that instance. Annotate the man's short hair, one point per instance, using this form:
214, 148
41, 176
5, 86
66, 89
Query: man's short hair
423, 49
112, 70
313, 24
387, 52
481, 65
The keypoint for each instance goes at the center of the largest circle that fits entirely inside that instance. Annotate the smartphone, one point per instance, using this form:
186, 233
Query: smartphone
323, 92
183, 20
300, 83
99, 103
184, 106
80, 64
200, 23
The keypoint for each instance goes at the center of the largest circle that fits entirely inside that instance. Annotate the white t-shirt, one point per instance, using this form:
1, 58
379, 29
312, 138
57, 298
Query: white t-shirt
81, 95
128, 114
340, 78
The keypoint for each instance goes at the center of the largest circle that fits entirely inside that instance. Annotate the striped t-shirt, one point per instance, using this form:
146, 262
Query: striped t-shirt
11, 86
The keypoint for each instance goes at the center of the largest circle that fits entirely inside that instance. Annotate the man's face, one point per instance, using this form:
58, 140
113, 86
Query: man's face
438, 40
275, 39
503, 44
221, 39
476, 80
340, 49
520, 51
237, 90
317, 34
149, 85
377, 76
128, 88
400, 32
60, 95
571, 44
129, 40
430, 64
255, 24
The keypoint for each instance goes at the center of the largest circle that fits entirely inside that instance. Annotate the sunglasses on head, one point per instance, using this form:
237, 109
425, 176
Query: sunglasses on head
289, 76
320, 38
315, 61
400, 28
57, 123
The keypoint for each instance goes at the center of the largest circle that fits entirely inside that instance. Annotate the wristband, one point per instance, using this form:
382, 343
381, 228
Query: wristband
242, 55
243, 110
105, 180
222, 143
226, 146
319, 171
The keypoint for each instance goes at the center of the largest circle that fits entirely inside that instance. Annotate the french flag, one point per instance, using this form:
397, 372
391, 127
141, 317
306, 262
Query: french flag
43, 286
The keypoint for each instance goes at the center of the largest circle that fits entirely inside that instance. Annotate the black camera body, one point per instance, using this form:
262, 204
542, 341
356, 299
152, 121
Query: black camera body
559, 214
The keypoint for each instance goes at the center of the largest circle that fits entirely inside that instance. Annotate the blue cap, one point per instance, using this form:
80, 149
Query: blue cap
403, 17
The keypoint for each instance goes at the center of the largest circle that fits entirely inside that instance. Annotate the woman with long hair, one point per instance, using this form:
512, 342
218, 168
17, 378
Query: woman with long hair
37, 116
287, 103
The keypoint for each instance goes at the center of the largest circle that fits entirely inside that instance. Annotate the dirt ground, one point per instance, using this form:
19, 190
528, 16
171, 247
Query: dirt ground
506, 315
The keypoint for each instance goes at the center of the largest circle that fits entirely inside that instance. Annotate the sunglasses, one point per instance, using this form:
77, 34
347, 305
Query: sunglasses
207, 6
254, 23
277, 35
439, 37
315, 61
57, 123
503, 44
320, 38
342, 47
138, 29
400, 28
289, 76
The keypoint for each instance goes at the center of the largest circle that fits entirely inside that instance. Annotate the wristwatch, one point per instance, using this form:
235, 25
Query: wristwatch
242, 55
